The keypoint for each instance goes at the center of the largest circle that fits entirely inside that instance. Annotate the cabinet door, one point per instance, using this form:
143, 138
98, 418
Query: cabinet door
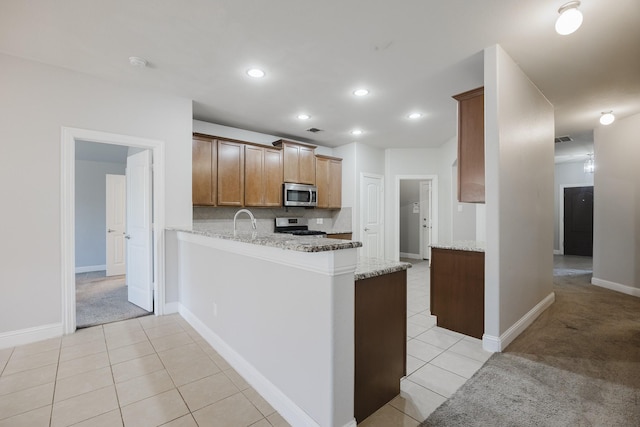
291, 155
335, 184
253, 176
322, 182
272, 177
307, 166
230, 173
471, 146
204, 168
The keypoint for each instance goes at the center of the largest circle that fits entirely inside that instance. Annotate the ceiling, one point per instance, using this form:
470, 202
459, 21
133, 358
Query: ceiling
412, 56
97, 152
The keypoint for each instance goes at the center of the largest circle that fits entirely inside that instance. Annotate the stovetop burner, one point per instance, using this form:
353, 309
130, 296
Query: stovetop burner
295, 226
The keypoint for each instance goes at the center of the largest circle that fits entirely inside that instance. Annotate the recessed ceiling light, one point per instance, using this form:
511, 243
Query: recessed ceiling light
136, 61
255, 72
415, 115
304, 116
607, 118
361, 92
356, 132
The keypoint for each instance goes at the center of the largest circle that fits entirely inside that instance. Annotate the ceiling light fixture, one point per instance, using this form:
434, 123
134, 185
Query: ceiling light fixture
589, 165
607, 118
415, 115
136, 61
255, 72
304, 116
361, 92
356, 132
570, 18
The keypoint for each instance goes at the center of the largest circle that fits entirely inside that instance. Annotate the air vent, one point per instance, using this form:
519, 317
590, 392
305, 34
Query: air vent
565, 138
314, 130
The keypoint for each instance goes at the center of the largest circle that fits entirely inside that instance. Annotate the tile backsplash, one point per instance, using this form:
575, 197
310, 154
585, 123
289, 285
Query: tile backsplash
338, 221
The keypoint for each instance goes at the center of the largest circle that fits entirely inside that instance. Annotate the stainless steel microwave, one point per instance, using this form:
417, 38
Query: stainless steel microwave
300, 195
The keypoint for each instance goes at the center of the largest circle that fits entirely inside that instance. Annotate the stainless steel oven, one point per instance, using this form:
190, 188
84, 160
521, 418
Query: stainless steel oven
300, 195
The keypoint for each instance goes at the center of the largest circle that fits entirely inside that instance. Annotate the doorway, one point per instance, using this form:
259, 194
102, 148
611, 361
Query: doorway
372, 215
153, 205
577, 221
416, 206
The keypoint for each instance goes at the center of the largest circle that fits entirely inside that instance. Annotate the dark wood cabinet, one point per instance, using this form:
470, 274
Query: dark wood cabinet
263, 176
329, 181
380, 341
204, 177
457, 290
299, 162
230, 173
341, 236
471, 146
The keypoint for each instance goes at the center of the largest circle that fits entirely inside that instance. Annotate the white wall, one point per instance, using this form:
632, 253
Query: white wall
91, 206
463, 215
409, 220
566, 174
519, 162
37, 100
616, 228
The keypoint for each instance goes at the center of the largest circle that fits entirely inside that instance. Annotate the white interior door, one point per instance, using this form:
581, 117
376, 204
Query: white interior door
426, 222
139, 230
372, 221
116, 224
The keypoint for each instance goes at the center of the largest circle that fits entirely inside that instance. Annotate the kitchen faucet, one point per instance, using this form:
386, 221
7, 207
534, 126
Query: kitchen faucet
248, 212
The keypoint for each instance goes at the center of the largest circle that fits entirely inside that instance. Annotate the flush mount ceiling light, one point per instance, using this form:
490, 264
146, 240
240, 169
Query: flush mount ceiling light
607, 118
356, 132
414, 116
361, 92
255, 73
304, 116
589, 165
136, 61
570, 18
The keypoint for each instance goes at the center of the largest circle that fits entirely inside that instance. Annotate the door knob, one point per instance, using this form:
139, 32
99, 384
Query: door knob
366, 229
110, 230
126, 236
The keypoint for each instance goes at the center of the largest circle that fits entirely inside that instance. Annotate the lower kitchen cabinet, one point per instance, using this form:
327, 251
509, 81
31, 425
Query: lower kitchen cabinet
380, 341
457, 290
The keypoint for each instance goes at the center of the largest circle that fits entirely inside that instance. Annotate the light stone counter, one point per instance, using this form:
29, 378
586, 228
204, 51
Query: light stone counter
373, 267
462, 245
277, 240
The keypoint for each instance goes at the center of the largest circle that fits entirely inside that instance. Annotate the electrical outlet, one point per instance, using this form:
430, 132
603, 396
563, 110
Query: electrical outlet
319, 220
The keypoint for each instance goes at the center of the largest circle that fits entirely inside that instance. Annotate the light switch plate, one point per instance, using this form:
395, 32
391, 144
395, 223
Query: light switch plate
319, 220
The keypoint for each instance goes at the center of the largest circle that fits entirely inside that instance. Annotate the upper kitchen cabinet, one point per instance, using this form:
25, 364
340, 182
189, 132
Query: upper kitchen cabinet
263, 176
230, 173
299, 162
204, 170
471, 146
329, 181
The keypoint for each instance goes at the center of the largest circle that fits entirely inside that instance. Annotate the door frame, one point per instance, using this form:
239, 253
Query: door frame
425, 253
382, 233
69, 136
396, 207
561, 212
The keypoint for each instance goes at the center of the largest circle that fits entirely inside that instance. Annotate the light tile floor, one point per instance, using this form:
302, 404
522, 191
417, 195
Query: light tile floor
157, 371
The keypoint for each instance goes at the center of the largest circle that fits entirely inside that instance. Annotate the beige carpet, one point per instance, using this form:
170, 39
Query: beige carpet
101, 299
578, 364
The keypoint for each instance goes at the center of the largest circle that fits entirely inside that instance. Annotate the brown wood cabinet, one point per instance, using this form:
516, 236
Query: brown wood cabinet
262, 176
457, 290
341, 236
230, 173
299, 162
471, 146
204, 176
329, 181
380, 341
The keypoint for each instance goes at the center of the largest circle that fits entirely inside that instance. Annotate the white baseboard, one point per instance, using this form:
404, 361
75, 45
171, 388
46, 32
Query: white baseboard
29, 335
629, 290
171, 307
557, 252
272, 394
90, 268
497, 344
408, 255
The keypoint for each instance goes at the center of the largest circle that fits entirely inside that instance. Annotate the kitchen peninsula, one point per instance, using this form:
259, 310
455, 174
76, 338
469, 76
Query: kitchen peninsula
281, 310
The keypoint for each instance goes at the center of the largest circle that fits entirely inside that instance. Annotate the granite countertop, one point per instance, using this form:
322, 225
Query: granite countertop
277, 240
462, 245
339, 232
373, 267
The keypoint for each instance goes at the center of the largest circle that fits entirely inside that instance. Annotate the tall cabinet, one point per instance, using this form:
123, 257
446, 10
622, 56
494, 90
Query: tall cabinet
204, 178
471, 146
329, 181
